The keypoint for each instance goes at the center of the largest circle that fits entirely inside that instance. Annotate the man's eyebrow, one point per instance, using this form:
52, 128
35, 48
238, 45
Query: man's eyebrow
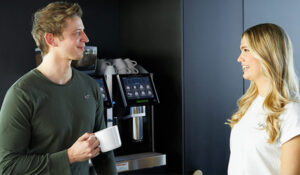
79, 29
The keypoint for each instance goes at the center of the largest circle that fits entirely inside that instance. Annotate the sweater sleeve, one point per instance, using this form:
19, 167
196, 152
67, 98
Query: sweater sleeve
104, 163
15, 135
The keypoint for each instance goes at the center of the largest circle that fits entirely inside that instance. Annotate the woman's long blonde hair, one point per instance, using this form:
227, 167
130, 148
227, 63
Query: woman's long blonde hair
273, 48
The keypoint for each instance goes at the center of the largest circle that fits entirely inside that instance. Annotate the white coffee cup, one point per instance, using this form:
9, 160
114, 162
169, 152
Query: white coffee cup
110, 70
134, 70
109, 138
119, 63
141, 69
125, 70
101, 66
130, 63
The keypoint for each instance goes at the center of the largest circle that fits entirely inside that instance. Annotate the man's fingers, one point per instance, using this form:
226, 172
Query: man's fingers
85, 136
96, 143
96, 152
91, 140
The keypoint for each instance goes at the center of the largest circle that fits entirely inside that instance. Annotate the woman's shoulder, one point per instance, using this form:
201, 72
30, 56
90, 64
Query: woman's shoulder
292, 109
290, 121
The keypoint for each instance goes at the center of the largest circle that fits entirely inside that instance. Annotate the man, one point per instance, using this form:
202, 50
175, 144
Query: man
49, 115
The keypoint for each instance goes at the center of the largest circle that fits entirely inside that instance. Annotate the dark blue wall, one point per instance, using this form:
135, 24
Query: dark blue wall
212, 80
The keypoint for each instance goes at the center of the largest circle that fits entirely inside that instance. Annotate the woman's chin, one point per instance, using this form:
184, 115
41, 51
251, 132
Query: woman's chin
246, 77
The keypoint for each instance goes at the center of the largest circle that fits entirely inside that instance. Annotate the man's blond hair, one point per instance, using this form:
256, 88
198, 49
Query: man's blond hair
52, 19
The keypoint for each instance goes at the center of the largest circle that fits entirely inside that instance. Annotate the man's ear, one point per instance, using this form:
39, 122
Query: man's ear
50, 39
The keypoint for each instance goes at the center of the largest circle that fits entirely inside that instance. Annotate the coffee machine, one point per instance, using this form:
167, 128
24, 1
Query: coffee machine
134, 98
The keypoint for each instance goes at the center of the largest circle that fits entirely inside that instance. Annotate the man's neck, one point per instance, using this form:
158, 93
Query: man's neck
56, 69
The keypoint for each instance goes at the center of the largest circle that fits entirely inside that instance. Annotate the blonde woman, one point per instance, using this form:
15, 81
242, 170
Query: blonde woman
265, 136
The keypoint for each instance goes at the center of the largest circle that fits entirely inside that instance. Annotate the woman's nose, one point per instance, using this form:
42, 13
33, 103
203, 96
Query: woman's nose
240, 59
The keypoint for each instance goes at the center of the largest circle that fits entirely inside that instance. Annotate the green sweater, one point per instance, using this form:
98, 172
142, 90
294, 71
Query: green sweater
40, 120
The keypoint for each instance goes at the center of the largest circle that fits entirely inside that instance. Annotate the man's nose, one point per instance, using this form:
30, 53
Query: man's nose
85, 38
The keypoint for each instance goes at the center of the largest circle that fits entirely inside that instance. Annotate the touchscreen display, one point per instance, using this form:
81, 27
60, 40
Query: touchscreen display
102, 89
138, 87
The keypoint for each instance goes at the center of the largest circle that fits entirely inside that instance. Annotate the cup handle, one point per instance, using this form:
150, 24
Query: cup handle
134, 70
134, 63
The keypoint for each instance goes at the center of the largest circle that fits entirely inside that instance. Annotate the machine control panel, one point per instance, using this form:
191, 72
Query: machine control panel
104, 91
137, 89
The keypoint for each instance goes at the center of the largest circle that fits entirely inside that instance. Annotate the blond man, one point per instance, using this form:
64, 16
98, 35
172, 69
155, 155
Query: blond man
49, 115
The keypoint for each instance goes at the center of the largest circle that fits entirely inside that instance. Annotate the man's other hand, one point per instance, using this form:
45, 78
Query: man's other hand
86, 147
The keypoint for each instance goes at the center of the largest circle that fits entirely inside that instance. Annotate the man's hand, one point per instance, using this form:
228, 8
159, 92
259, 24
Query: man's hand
86, 147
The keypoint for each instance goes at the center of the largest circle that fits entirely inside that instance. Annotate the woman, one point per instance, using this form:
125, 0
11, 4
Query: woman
265, 136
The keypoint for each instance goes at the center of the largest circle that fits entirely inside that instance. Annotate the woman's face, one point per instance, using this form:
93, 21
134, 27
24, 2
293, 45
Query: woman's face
250, 65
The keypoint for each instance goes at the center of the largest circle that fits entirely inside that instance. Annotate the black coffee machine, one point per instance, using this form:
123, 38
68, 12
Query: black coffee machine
133, 99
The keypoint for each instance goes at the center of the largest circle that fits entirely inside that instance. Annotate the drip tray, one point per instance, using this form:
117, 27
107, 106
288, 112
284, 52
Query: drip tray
140, 161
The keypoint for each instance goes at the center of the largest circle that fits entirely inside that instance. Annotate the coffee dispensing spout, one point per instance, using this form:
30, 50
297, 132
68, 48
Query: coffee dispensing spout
137, 114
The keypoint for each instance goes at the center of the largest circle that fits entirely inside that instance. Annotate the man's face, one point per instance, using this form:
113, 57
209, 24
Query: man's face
72, 42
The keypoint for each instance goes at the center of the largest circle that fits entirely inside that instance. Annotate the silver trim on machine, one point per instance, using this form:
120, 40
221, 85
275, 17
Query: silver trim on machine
140, 161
